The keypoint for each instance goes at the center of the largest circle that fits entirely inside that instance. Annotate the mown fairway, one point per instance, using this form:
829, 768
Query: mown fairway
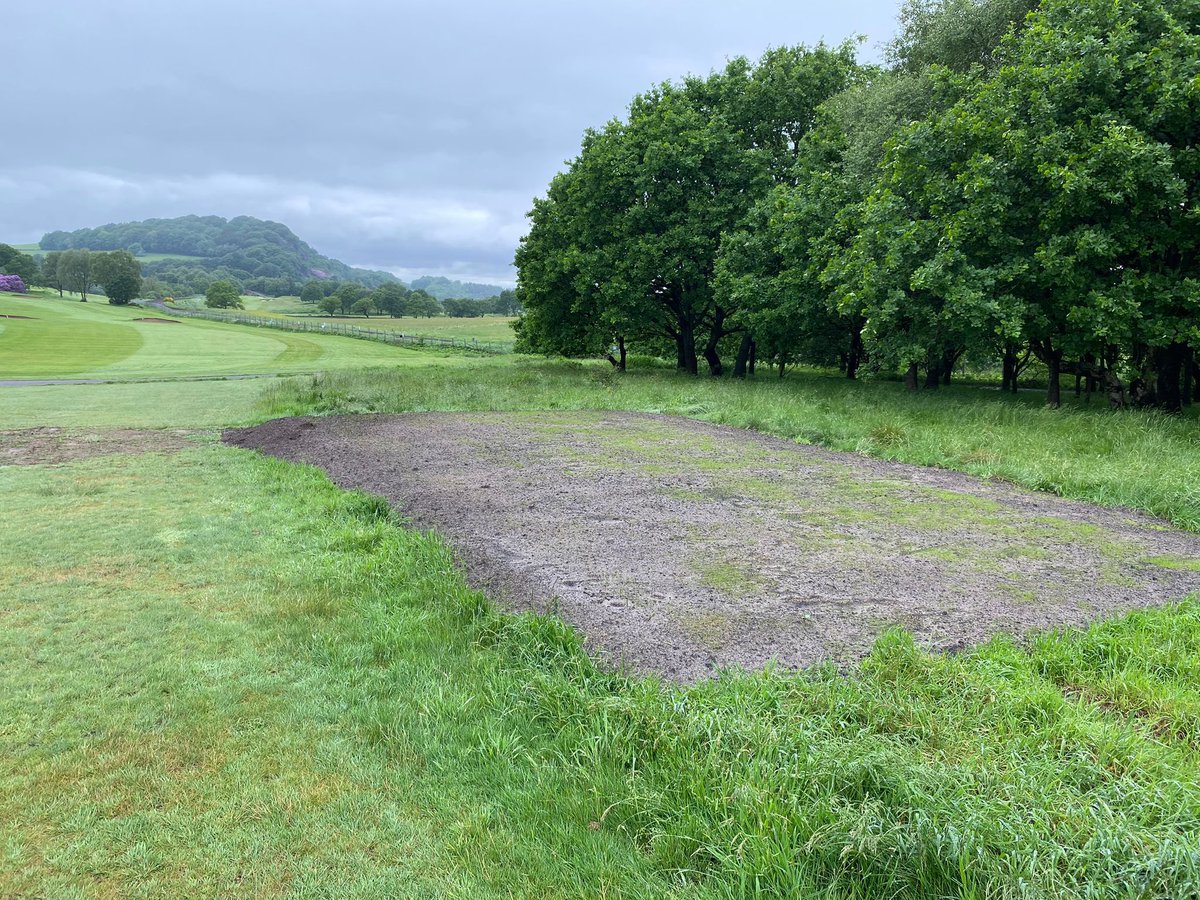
225, 677
67, 339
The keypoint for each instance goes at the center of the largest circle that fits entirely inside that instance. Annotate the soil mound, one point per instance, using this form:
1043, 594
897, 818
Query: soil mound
158, 321
679, 547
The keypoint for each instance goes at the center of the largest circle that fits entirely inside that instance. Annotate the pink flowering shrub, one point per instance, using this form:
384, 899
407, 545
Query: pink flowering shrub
12, 283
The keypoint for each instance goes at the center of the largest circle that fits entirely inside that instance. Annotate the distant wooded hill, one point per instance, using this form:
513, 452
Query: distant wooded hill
446, 288
190, 251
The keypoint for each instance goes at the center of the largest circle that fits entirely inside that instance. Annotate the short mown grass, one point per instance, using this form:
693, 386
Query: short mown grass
68, 339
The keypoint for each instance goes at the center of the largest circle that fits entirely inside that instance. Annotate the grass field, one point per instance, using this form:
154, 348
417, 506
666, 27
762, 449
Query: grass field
225, 677
35, 249
64, 339
493, 329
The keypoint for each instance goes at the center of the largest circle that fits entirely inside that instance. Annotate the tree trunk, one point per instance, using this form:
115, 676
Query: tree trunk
685, 343
933, 376
854, 357
618, 363
1008, 377
715, 368
742, 364
1116, 390
753, 355
782, 364
1053, 385
949, 359
910, 378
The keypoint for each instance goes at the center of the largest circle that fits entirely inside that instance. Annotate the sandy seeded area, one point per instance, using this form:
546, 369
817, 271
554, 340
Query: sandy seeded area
679, 547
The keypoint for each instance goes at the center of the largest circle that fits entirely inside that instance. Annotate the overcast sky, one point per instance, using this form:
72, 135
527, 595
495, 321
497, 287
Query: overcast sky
408, 136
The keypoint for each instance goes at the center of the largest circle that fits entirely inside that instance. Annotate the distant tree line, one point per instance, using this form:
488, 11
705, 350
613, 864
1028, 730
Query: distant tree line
442, 288
1017, 183
396, 300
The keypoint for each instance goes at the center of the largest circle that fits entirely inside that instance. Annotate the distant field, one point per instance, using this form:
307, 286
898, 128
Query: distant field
145, 257
495, 329
159, 257
67, 339
486, 328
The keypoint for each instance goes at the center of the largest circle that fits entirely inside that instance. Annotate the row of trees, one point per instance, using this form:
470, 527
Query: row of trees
1017, 183
396, 300
118, 274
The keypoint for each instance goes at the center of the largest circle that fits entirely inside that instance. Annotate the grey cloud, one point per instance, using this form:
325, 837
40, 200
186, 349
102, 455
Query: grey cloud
409, 136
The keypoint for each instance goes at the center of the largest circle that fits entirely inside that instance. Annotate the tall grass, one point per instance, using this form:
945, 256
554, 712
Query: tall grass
1141, 460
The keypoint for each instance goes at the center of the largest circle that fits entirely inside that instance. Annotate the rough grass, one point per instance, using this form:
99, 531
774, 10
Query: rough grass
1141, 460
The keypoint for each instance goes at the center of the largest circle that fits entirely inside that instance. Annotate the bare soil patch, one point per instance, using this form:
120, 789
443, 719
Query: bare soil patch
15, 317
157, 320
54, 446
679, 547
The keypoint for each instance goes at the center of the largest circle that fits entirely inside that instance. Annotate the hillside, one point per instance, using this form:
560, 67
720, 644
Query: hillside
188, 251
447, 288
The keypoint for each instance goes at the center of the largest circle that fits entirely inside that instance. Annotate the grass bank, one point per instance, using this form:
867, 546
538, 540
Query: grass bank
1142, 460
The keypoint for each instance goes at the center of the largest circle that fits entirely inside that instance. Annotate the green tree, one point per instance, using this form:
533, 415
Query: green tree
390, 299
348, 294
120, 275
1067, 224
311, 292
363, 307
223, 295
329, 305
14, 262
422, 304
49, 275
74, 272
624, 245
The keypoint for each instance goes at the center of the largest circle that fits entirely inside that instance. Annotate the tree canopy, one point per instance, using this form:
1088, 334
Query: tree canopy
1019, 181
223, 295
